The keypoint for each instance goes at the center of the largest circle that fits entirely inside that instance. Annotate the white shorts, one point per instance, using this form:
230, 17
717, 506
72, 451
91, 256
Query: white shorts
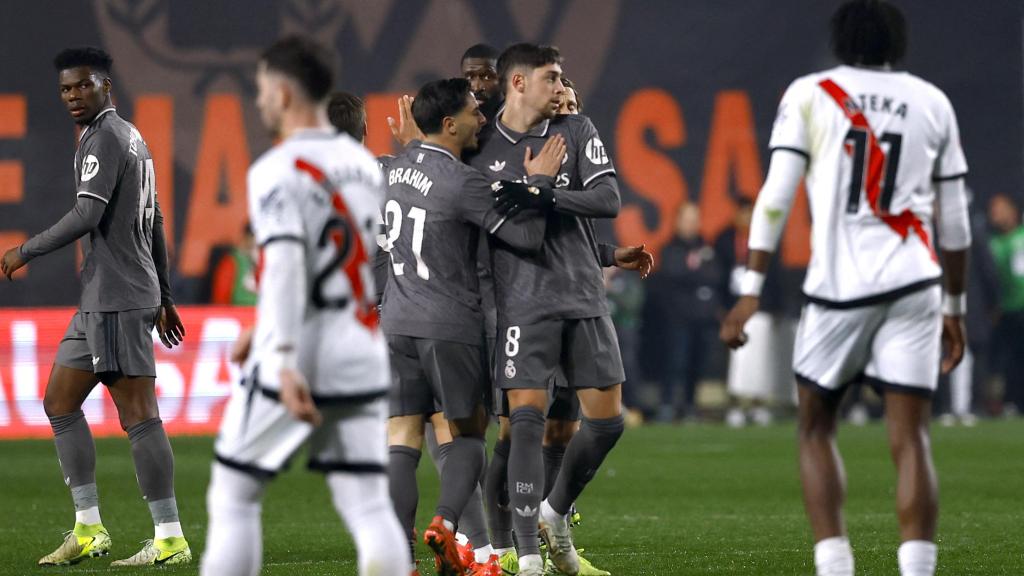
259, 436
762, 369
892, 345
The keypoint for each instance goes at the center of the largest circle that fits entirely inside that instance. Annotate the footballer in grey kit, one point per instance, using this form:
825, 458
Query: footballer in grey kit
436, 208
552, 312
125, 293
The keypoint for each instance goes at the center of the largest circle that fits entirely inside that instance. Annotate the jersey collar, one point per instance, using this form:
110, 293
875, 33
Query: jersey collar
438, 149
93, 121
540, 130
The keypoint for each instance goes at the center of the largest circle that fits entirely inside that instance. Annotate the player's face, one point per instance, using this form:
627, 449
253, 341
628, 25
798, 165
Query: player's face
482, 74
83, 92
269, 99
569, 103
543, 90
468, 123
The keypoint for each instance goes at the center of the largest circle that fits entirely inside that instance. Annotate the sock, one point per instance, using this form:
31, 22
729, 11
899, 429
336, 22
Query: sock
362, 502
532, 560
405, 495
917, 558
483, 554
525, 476
472, 524
464, 461
586, 451
234, 537
165, 518
499, 513
76, 453
553, 456
154, 469
833, 557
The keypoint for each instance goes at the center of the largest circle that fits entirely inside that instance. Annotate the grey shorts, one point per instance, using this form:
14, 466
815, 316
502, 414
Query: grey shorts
120, 342
431, 376
563, 403
586, 350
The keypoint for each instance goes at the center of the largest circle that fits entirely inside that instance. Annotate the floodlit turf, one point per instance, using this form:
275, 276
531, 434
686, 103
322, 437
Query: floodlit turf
670, 501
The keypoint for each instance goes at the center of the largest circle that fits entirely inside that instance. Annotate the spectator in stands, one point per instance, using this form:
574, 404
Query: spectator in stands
1007, 245
686, 291
234, 278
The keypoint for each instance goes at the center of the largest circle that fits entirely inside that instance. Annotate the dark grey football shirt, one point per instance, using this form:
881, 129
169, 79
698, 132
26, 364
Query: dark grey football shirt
113, 166
563, 280
435, 208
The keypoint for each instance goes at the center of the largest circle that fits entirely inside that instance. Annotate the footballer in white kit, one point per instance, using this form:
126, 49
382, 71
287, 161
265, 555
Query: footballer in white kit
317, 370
878, 150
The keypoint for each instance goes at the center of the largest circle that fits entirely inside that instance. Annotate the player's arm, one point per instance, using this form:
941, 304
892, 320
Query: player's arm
169, 325
82, 218
626, 257
954, 240
479, 205
771, 210
599, 196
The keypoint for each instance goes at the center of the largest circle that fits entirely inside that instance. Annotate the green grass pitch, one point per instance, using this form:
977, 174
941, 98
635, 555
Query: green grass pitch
669, 501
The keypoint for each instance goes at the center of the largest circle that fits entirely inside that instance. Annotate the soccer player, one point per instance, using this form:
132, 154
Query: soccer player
571, 101
318, 371
562, 321
347, 113
875, 147
125, 292
436, 207
480, 67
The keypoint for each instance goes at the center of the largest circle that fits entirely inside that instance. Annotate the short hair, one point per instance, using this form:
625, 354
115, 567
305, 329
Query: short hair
869, 32
527, 55
483, 51
303, 60
95, 58
572, 86
347, 114
437, 100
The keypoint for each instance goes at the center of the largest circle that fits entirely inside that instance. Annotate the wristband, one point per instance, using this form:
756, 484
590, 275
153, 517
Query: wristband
282, 360
751, 283
954, 304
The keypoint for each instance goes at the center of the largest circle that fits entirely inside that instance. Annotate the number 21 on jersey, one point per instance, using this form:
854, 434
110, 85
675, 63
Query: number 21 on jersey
394, 217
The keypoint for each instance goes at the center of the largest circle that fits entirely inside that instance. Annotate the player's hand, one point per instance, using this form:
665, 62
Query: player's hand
548, 161
405, 129
243, 344
732, 333
169, 326
296, 397
953, 342
510, 198
12, 262
635, 258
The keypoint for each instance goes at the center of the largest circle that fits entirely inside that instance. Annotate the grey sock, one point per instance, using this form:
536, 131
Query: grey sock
499, 513
472, 523
77, 455
154, 467
464, 462
583, 457
526, 475
405, 495
553, 456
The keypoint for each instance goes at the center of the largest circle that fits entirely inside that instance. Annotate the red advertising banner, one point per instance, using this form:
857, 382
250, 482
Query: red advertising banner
193, 380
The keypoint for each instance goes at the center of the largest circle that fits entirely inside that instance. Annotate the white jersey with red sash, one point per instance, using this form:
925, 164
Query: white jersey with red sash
876, 142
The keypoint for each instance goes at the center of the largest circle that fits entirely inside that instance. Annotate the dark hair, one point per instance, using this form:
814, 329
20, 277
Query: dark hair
303, 60
95, 58
347, 114
869, 32
572, 86
527, 55
483, 51
437, 100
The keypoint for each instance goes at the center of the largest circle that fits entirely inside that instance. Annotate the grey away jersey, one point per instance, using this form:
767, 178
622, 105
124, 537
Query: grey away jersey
564, 280
435, 209
113, 165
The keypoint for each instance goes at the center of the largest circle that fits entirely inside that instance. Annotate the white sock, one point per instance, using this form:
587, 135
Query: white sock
89, 516
460, 538
530, 561
833, 557
502, 551
481, 555
917, 558
364, 504
448, 524
167, 530
234, 538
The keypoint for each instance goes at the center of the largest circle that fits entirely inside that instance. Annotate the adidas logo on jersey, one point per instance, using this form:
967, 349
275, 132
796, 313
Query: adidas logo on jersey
497, 166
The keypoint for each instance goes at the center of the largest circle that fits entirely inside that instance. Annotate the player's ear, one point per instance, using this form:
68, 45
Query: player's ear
107, 86
519, 82
449, 125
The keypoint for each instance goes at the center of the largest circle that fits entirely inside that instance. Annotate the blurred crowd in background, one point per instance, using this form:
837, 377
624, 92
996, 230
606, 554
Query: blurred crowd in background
678, 371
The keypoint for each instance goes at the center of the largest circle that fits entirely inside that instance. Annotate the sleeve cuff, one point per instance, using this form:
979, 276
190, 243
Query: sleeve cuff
606, 255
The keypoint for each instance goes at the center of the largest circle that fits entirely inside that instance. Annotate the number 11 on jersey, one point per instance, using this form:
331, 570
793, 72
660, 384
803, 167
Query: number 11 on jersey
418, 216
